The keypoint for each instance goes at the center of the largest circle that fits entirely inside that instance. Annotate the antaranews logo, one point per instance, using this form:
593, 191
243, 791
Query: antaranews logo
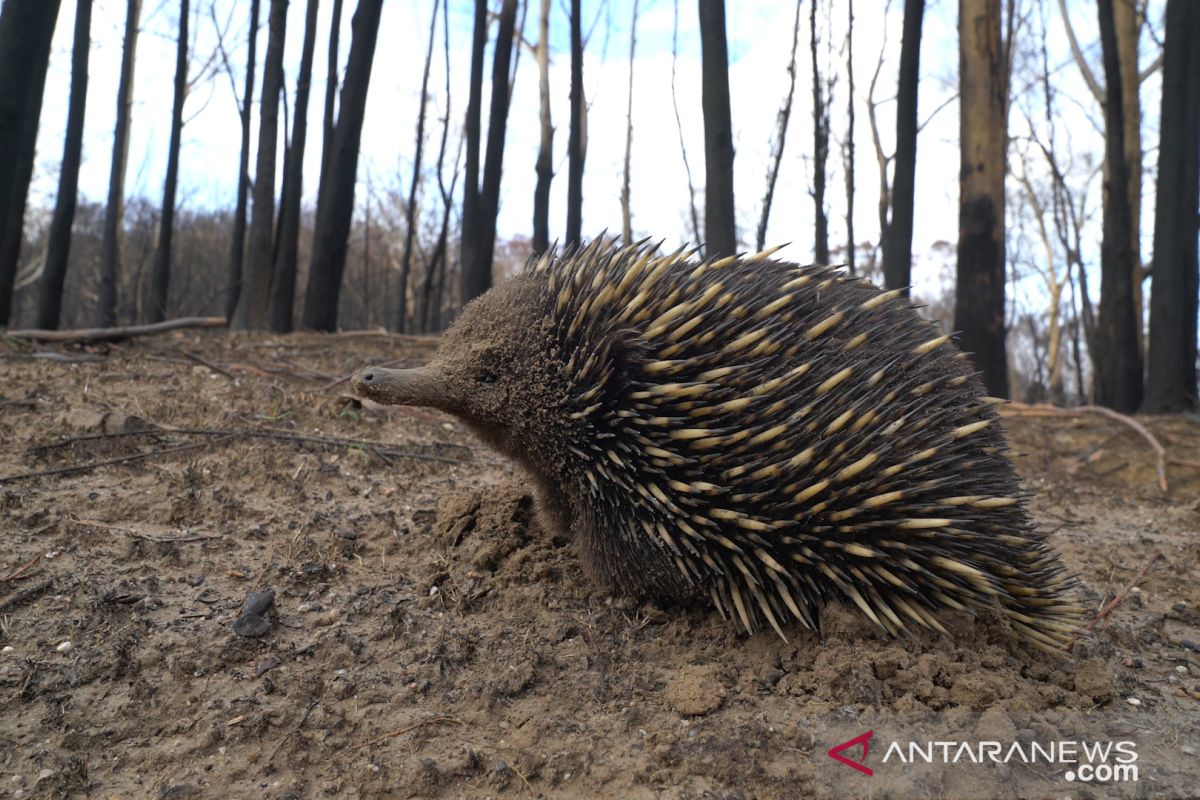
1084, 760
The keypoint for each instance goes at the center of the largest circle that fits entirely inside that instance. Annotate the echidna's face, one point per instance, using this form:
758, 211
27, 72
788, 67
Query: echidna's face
491, 368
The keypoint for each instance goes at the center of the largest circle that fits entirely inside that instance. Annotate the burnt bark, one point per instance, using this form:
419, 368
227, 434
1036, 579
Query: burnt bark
255, 296
335, 200
472, 218
979, 290
26, 29
160, 275
848, 147
720, 222
821, 91
237, 242
287, 240
545, 159
110, 253
576, 137
1117, 359
59, 240
897, 235
331, 84
1171, 373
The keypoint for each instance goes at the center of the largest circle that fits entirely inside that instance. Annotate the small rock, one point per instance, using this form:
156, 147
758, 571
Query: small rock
258, 603
45, 775
251, 625
8, 648
65, 647
1133, 701
266, 665
695, 690
1188, 749
1181, 669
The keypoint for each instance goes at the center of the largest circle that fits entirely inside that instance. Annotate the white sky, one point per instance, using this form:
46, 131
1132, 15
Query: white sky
759, 33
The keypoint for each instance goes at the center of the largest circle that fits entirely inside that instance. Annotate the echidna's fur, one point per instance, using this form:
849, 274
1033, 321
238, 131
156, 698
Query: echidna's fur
760, 434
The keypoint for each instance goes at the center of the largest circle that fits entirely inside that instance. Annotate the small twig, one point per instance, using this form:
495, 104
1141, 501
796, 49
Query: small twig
16, 598
95, 523
409, 729
21, 570
102, 463
1116, 601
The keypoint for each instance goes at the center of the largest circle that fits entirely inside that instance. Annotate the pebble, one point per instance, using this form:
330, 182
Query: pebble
258, 603
1187, 748
8, 648
65, 647
251, 625
1181, 669
1133, 701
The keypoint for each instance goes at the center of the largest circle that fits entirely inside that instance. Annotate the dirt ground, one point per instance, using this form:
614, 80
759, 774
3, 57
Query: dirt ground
426, 639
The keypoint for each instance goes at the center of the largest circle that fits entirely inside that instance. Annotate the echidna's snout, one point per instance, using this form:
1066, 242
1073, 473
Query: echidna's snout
403, 387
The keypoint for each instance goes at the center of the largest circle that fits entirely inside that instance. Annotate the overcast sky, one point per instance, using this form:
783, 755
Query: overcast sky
759, 34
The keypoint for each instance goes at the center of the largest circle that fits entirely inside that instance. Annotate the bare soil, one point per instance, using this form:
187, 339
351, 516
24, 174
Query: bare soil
427, 639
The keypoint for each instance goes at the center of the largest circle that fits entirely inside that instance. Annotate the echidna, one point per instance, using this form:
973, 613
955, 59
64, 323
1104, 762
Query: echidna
756, 434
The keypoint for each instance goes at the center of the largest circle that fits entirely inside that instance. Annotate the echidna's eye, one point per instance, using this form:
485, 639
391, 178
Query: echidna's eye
487, 377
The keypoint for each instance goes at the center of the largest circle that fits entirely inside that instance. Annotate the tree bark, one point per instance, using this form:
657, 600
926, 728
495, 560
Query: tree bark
979, 292
335, 201
848, 147
720, 222
411, 210
287, 244
26, 29
1126, 26
626, 215
820, 145
59, 240
1117, 360
255, 298
897, 235
577, 135
110, 253
472, 217
545, 160
477, 253
160, 275
435, 270
331, 85
782, 119
237, 244
1171, 378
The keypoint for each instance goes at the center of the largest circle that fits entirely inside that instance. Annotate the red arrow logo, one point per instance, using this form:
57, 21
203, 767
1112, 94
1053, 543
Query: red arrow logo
835, 752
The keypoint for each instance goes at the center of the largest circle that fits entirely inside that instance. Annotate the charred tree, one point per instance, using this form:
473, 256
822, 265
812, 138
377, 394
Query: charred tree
59, 240
1171, 374
897, 235
545, 159
110, 253
331, 83
26, 29
720, 223
237, 243
626, 216
335, 198
160, 275
479, 240
472, 216
410, 212
435, 269
782, 118
287, 238
1117, 360
983, 127
848, 146
255, 297
822, 92
577, 135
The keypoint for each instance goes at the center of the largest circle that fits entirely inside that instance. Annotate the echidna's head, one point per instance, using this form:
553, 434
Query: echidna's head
494, 369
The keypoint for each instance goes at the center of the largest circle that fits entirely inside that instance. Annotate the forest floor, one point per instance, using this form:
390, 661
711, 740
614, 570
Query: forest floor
428, 640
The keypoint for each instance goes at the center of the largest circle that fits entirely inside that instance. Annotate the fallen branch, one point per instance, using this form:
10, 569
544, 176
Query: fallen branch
409, 729
102, 463
28, 593
1120, 598
21, 570
145, 537
1045, 410
118, 333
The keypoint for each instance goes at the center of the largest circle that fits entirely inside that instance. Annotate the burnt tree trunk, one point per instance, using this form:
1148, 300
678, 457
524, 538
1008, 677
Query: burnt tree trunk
782, 118
335, 200
848, 146
237, 243
435, 267
979, 291
626, 215
411, 210
110, 252
287, 239
577, 136
720, 222
545, 159
477, 254
897, 236
331, 85
1117, 360
26, 29
472, 217
160, 274
59, 240
1126, 27
821, 101
1171, 374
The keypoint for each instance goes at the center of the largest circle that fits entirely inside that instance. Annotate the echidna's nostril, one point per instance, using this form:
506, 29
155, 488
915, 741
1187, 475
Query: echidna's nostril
368, 377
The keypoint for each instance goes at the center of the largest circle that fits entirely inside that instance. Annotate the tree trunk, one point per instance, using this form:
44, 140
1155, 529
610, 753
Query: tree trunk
59, 240
897, 236
287, 244
1171, 379
848, 146
237, 244
1117, 361
335, 201
782, 119
979, 292
1127, 25
626, 216
160, 275
577, 137
693, 217
821, 98
110, 253
472, 217
477, 258
435, 269
331, 86
255, 297
545, 159
720, 222
26, 29
411, 211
